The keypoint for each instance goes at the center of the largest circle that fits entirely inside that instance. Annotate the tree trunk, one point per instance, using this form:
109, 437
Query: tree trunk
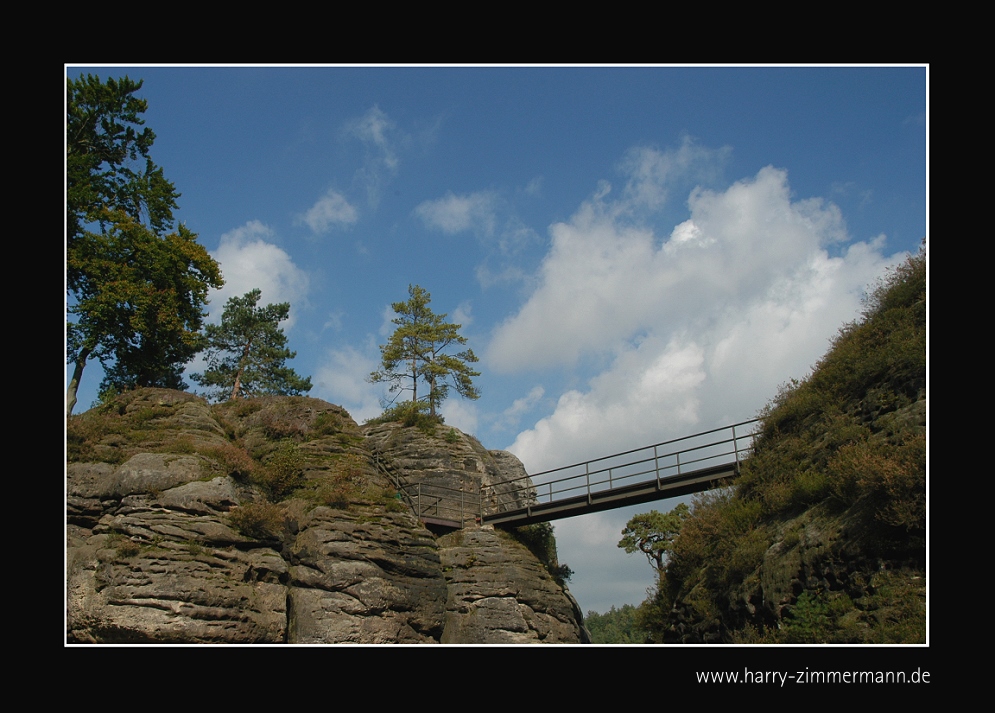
238, 385
74, 381
431, 396
241, 370
414, 381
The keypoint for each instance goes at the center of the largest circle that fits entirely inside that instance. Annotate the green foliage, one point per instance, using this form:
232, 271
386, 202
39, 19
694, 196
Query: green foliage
410, 413
123, 546
903, 289
345, 484
246, 353
893, 477
282, 473
722, 539
328, 423
334, 494
539, 540
231, 460
418, 350
892, 611
887, 350
653, 534
120, 428
615, 626
343, 493
107, 157
257, 520
395, 504
85, 431
652, 616
809, 620
136, 293
282, 424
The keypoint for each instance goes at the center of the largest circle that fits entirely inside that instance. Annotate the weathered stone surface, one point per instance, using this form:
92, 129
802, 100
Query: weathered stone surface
500, 594
495, 480
153, 554
175, 593
363, 579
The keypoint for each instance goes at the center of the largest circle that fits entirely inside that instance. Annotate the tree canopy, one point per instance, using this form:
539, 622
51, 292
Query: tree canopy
653, 534
615, 626
420, 350
247, 352
108, 167
137, 289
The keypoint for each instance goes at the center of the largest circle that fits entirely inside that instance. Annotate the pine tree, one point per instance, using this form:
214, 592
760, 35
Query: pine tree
419, 349
653, 534
246, 353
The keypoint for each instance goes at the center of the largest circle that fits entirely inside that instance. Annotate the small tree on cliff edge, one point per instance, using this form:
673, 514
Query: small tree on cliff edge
246, 353
653, 534
419, 349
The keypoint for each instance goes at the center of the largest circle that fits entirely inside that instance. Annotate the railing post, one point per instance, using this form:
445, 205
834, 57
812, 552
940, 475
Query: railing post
656, 465
735, 447
678, 462
587, 480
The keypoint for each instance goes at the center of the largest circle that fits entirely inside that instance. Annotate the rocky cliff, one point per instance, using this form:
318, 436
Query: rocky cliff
827, 574
279, 520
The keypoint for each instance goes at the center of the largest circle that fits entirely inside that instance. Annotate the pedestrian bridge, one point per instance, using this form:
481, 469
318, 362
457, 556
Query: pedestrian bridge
669, 469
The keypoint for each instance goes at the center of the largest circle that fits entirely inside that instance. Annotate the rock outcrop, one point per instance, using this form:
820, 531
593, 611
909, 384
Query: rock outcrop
278, 520
500, 595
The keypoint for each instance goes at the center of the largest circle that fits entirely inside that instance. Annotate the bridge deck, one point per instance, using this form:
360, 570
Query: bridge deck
670, 487
669, 469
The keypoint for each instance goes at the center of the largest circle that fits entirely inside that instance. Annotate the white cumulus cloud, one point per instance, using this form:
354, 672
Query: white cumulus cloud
330, 211
695, 329
461, 414
456, 214
341, 380
249, 261
652, 173
512, 415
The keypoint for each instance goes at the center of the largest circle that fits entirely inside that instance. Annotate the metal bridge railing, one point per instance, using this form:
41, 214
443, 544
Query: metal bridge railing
660, 461
435, 502
438, 502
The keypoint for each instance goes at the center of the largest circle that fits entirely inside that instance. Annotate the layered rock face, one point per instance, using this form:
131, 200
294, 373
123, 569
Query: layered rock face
498, 596
276, 521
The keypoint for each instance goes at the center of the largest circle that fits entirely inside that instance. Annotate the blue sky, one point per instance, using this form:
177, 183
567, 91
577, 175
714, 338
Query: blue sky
635, 253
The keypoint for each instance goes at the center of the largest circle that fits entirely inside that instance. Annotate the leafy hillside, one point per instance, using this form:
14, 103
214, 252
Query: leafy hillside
824, 537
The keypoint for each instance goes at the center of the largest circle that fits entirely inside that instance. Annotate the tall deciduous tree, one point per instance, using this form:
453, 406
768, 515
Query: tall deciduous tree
136, 290
247, 352
421, 349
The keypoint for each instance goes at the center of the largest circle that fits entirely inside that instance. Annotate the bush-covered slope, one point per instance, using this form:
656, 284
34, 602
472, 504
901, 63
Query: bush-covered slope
824, 537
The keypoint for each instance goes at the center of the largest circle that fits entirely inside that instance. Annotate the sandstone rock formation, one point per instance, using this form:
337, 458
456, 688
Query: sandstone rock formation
276, 520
